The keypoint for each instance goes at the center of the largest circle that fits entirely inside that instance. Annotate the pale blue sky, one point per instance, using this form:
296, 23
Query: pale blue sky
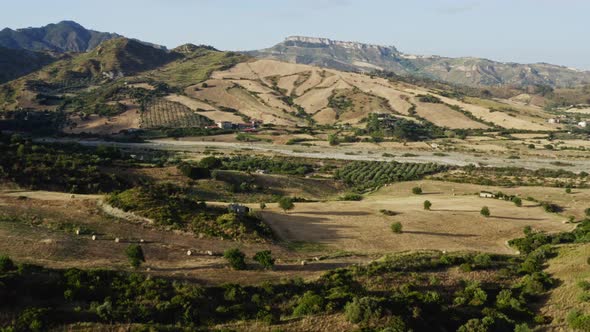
554, 31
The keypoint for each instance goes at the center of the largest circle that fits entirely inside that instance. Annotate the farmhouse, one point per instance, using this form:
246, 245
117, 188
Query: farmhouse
486, 194
225, 125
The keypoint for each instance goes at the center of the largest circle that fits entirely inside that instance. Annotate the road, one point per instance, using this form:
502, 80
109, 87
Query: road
340, 153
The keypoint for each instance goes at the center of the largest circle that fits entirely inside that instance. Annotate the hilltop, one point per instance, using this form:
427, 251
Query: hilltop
477, 72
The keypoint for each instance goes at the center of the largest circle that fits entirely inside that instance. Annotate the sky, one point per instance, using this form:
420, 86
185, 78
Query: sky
525, 31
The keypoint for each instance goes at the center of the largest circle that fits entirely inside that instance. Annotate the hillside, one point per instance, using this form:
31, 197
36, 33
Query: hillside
287, 94
477, 72
65, 36
16, 63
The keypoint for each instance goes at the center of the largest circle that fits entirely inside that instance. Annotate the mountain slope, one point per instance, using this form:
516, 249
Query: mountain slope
62, 37
476, 72
65, 36
16, 63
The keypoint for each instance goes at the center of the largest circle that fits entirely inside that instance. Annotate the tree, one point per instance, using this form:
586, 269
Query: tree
427, 205
135, 255
235, 258
417, 191
485, 211
568, 190
262, 206
396, 227
333, 139
6, 264
265, 259
517, 201
286, 203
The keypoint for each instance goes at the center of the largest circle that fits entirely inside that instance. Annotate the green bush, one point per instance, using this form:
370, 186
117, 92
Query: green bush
517, 201
286, 203
362, 310
417, 191
6, 264
265, 259
485, 211
235, 258
578, 321
427, 205
351, 197
396, 227
309, 304
135, 255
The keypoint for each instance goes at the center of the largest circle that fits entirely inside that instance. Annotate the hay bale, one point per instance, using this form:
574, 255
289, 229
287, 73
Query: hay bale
209, 252
117, 240
303, 263
141, 241
189, 253
93, 237
78, 231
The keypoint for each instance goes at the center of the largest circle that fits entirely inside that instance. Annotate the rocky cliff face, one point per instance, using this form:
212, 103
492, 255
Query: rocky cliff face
354, 56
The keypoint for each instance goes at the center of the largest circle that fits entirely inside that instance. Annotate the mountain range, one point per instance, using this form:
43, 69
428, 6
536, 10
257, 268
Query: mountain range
469, 71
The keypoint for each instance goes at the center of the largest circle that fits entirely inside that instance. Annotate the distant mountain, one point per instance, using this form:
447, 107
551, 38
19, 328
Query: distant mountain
16, 63
65, 36
353, 56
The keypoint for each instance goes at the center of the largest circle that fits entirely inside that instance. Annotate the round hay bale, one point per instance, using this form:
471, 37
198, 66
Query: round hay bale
303, 263
141, 241
117, 240
189, 253
93, 237
209, 252
78, 231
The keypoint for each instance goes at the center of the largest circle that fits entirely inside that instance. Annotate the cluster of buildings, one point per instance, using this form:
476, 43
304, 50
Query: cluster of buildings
246, 126
565, 120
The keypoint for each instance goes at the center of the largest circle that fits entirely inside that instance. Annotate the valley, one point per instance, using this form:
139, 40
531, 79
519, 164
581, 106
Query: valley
315, 185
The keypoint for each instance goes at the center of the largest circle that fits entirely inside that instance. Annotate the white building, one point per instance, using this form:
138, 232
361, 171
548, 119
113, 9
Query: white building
486, 194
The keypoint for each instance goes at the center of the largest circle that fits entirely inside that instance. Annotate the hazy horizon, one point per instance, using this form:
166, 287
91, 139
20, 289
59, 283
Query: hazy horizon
522, 31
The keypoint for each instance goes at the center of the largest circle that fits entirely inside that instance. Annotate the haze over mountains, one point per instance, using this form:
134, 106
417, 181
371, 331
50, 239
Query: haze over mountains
353, 56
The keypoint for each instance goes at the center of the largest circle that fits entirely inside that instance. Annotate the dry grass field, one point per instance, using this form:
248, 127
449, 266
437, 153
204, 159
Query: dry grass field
453, 224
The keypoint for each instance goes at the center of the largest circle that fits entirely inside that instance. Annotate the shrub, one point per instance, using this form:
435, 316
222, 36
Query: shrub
333, 140
6, 264
235, 258
587, 212
417, 191
578, 321
396, 227
210, 162
309, 304
568, 190
265, 259
286, 203
135, 255
427, 205
351, 197
482, 260
362, 310
193, 172
485, 211
388, 212
262, 206
517, 201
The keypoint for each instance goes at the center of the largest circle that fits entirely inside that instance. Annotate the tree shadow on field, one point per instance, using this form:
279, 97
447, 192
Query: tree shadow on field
513, 218
295, 227
432, 193
452, 210
311, 267
335, 213
440, 234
